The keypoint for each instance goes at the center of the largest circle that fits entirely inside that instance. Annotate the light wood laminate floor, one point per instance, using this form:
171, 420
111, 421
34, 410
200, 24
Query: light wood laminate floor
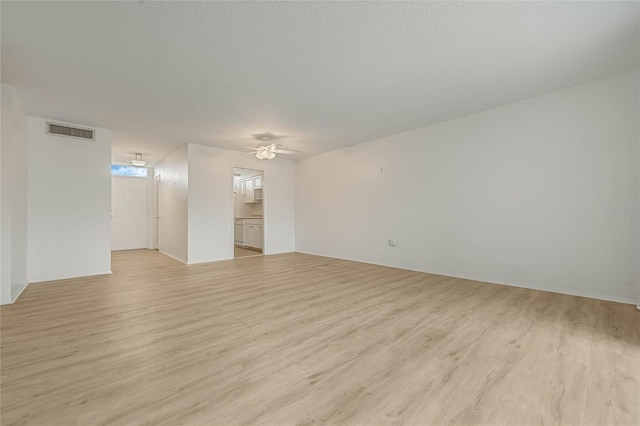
299, 339
243, 252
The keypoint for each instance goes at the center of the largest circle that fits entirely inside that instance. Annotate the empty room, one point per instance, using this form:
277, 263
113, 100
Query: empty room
330, 213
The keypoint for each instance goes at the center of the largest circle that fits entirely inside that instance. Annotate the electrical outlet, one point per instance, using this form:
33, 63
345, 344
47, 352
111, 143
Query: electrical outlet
393, 242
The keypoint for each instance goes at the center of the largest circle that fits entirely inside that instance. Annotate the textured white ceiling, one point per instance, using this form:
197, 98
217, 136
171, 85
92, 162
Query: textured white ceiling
323, 75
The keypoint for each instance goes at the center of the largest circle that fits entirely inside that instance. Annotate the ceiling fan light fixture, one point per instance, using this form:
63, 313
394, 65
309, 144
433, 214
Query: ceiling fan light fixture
139, 162
265, 154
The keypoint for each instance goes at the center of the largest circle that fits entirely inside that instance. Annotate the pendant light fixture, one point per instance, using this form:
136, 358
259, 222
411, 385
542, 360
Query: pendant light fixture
139, 162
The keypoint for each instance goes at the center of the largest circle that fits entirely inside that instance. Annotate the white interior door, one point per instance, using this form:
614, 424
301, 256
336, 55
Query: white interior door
128, 213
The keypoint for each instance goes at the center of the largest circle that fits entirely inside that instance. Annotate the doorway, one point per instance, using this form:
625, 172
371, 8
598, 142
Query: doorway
248, 212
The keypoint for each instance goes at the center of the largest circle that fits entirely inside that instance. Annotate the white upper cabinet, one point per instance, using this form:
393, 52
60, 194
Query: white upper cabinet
250, 187
248, 191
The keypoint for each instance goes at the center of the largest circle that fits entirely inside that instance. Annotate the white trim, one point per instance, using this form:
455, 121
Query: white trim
174, 257
578, 294
41, 280
19, 292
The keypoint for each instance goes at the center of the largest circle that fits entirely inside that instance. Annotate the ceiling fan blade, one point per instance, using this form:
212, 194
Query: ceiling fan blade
285, 151
250, 147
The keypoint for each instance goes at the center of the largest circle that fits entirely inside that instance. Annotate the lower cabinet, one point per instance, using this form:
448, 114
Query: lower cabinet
253, 236
248, 232
238, 232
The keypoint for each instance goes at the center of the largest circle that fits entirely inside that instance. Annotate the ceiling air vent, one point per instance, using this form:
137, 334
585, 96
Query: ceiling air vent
70, 132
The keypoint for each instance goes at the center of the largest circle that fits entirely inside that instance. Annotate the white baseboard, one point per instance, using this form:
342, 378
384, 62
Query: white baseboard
17, 294
44, 280
173, 257
14, 295
569, 293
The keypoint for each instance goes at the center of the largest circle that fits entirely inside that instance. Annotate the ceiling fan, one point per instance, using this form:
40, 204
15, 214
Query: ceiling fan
268, 151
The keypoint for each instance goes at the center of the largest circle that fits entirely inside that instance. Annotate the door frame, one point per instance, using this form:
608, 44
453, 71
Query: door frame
156, 217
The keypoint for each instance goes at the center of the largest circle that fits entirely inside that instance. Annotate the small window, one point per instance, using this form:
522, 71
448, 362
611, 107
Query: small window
122, 170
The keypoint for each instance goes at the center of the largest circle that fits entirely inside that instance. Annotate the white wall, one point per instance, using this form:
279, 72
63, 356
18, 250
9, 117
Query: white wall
13, 196
211, 202
174, 197
514, 195
69, 205
129, 212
